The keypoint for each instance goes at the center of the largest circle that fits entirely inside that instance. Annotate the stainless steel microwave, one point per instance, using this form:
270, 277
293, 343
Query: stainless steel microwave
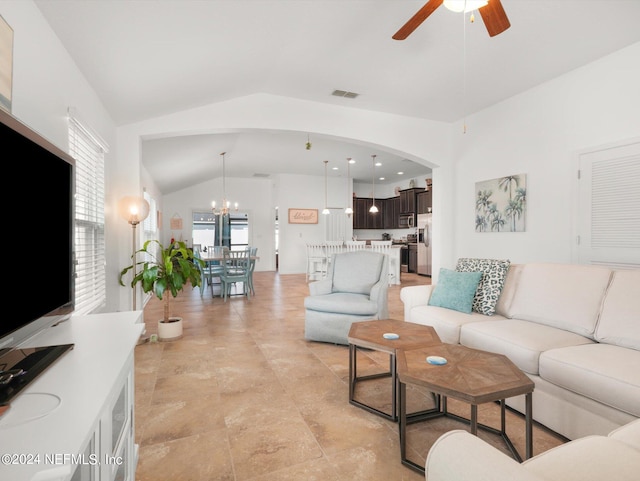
407, 220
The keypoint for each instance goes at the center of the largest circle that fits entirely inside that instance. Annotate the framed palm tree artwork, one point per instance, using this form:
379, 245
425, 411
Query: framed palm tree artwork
6, 64
501, 204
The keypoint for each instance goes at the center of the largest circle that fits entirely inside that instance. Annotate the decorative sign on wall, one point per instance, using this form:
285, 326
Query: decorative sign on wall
303, 216
176, 222
6, 64
501, 204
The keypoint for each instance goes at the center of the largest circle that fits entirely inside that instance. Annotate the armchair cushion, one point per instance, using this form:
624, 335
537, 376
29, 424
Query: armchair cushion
355, 289
356, 274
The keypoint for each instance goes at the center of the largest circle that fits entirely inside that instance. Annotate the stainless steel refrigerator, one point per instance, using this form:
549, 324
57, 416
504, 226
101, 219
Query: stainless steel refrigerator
424, 244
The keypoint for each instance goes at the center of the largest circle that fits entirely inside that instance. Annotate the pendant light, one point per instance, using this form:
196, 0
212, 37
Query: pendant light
325, 211
224, 209
349, 210
373, 209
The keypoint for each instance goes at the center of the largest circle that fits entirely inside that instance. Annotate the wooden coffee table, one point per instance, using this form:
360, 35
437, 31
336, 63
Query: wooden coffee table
369, 335
470, 375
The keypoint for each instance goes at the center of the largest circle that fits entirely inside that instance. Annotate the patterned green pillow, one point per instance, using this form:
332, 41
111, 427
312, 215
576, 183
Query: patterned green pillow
455, 290
490, 286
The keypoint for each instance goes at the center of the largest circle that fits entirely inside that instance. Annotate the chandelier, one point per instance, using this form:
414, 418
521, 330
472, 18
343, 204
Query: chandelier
226, 204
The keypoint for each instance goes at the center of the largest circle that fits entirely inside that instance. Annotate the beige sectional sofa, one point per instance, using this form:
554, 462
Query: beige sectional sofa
573, 329
591, 458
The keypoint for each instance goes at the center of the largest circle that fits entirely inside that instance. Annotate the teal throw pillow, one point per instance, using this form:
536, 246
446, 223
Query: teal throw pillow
455, 290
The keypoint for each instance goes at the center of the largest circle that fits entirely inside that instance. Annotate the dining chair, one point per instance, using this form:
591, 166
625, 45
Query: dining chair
236, 269
354, 245
332, 247
253, 252
384, 247
215, 267
316, 261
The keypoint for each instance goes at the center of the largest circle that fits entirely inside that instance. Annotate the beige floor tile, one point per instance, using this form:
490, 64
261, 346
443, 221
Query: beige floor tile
242, 396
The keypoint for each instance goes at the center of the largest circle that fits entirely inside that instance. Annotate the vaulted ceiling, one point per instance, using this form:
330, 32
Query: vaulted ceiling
150, 58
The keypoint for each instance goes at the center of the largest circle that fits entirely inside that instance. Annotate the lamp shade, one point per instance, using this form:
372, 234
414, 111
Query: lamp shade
133, 209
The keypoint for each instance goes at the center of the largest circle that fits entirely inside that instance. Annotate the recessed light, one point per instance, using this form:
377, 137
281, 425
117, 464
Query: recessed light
334, 168
378, 164
400, 173
381, 178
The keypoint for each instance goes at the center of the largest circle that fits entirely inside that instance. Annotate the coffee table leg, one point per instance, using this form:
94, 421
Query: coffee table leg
352, 371
394, 385
402, 421
474, 419
529, 426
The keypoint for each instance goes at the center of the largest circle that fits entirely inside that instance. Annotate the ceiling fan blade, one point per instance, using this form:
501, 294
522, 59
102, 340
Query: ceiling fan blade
415, 21
494, 17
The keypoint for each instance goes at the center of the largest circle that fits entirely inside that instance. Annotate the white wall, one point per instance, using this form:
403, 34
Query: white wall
538, 133
46, 82
422, 141
255, 198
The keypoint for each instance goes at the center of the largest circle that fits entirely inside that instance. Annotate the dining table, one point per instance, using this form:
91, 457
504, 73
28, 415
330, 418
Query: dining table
214, 256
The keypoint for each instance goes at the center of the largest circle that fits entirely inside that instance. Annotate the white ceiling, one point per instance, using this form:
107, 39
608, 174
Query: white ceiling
153, 57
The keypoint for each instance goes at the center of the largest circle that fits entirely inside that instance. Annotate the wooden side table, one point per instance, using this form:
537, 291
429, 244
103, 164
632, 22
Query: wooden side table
470, 375
370, 335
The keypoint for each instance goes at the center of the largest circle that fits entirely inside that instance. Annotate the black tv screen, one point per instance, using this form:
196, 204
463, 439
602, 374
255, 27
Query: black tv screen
38, 217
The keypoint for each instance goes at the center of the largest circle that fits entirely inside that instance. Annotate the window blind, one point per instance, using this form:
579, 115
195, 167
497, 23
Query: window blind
615, 203
88, 151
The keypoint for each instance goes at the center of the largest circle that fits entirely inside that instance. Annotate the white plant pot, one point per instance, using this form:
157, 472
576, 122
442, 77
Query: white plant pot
170, 331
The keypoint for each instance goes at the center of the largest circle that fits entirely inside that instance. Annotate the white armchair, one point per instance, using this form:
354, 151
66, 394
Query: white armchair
355, 289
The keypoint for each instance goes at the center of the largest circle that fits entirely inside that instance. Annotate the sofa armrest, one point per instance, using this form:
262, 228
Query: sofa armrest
460, 456
413, 296
320, 288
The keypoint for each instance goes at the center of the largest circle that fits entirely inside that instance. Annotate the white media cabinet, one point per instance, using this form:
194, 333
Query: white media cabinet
76, 420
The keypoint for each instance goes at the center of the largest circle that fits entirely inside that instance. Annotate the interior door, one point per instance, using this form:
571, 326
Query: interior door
608, 206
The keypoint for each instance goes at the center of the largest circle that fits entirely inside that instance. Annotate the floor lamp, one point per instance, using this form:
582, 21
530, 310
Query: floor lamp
134, 210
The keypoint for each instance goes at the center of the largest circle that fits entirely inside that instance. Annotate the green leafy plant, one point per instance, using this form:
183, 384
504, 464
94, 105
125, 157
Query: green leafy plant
164, 269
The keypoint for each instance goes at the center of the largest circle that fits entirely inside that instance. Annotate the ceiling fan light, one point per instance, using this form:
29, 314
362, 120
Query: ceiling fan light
464, 5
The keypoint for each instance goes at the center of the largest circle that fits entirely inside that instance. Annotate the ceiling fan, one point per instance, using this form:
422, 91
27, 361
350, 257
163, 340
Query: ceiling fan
493, 15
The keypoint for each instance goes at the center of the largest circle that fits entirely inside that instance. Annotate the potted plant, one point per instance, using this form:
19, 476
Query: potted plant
165, 271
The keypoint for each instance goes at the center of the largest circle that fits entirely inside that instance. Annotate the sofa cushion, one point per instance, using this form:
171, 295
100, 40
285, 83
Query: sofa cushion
343, 302
509, 289
629, 433
356, 272
591, 458
619, 321
602, 372
566, 296
455, 290
489, 288
446, 322
521, 341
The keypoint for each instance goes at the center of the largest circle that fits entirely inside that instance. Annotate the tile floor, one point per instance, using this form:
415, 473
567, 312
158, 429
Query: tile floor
242, 396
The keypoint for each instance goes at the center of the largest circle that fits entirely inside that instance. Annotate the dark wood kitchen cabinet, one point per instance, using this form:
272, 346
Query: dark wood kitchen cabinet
362, 218
408, 200
391, 213
424, 202
360, 212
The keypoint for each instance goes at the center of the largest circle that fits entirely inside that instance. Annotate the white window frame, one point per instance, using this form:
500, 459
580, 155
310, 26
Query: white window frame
88, 150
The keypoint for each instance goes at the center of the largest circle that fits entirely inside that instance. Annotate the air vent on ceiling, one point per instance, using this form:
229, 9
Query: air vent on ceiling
261, 175
345, 94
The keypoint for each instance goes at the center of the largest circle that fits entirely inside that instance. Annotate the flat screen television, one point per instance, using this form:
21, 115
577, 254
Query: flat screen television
38, 213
